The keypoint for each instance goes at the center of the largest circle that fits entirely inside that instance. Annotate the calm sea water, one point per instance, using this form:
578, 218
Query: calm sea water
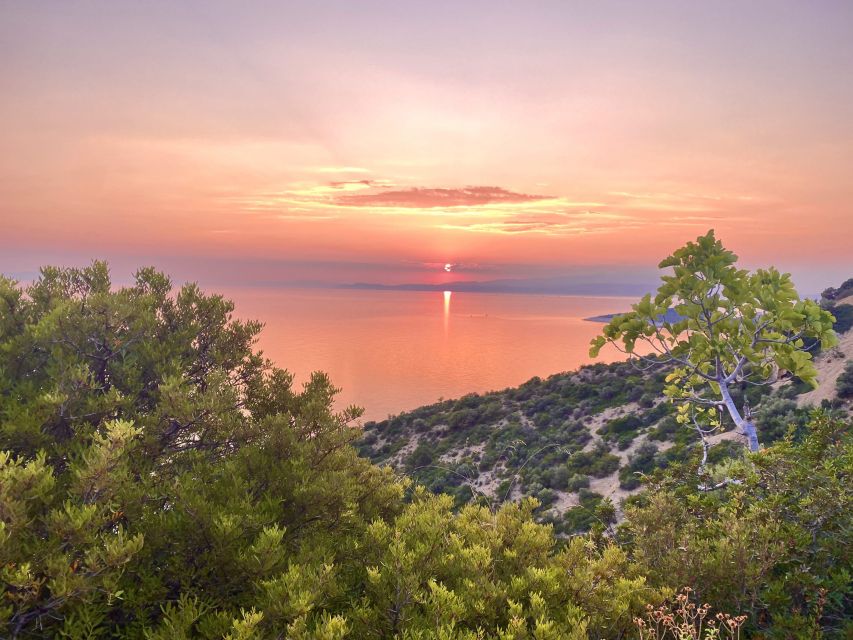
391, 351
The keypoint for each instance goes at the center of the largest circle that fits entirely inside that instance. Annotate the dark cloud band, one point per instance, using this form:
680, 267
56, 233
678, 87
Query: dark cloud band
425, 198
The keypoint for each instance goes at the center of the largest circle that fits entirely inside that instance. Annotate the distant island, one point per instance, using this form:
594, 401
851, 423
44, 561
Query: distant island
534, 286
605, 318
671, 315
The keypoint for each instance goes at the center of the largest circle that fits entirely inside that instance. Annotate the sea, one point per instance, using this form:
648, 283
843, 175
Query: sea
391, 351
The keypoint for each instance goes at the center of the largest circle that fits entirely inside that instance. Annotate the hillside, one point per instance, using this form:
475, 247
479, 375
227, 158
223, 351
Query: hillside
576, 439
832, 364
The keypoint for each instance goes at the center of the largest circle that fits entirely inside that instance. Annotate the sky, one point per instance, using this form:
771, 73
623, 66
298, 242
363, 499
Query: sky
336, 142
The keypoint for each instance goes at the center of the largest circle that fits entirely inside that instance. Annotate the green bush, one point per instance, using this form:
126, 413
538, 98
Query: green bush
598, 462
421, 456
643, 461
767, 547
844, 384
577, 482
584, 516
843, 317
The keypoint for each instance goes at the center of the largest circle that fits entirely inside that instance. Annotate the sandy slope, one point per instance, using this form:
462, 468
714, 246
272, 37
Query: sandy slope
829, 366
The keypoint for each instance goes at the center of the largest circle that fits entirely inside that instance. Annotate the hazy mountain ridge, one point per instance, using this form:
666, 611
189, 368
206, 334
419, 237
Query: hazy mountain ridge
577, 438
529, 286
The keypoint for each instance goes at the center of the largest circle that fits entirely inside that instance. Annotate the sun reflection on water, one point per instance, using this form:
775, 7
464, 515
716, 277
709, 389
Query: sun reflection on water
447, 295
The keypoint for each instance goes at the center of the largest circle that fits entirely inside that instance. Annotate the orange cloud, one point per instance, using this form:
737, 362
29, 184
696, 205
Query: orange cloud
550, 223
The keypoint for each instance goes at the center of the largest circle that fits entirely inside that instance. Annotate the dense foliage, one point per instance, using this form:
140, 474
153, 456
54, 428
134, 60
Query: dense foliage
154, 463
160, 479
776, 547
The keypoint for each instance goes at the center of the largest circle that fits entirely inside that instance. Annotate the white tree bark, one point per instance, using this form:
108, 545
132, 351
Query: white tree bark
747, 426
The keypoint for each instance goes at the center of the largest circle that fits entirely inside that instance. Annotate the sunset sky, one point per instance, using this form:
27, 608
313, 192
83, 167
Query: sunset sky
273, 142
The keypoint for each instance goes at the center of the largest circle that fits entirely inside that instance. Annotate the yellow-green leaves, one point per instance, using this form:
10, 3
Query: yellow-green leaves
52, 551
298, 591
734, 327
117, 549
246, 626
494, 571
98, 471
597, 343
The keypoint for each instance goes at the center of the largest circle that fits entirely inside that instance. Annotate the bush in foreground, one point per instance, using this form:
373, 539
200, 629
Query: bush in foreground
160, 479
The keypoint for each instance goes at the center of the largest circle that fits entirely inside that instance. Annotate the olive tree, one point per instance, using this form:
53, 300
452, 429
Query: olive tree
719, 327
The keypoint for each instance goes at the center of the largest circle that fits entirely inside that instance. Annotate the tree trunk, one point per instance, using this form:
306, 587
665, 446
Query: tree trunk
751, 435
747, 426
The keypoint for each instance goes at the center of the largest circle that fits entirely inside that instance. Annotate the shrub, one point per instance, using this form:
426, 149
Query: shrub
584, 516
641, 462
843, 317
598, 463
844, 384
421, 456
775, 416
767, 546
577, 482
